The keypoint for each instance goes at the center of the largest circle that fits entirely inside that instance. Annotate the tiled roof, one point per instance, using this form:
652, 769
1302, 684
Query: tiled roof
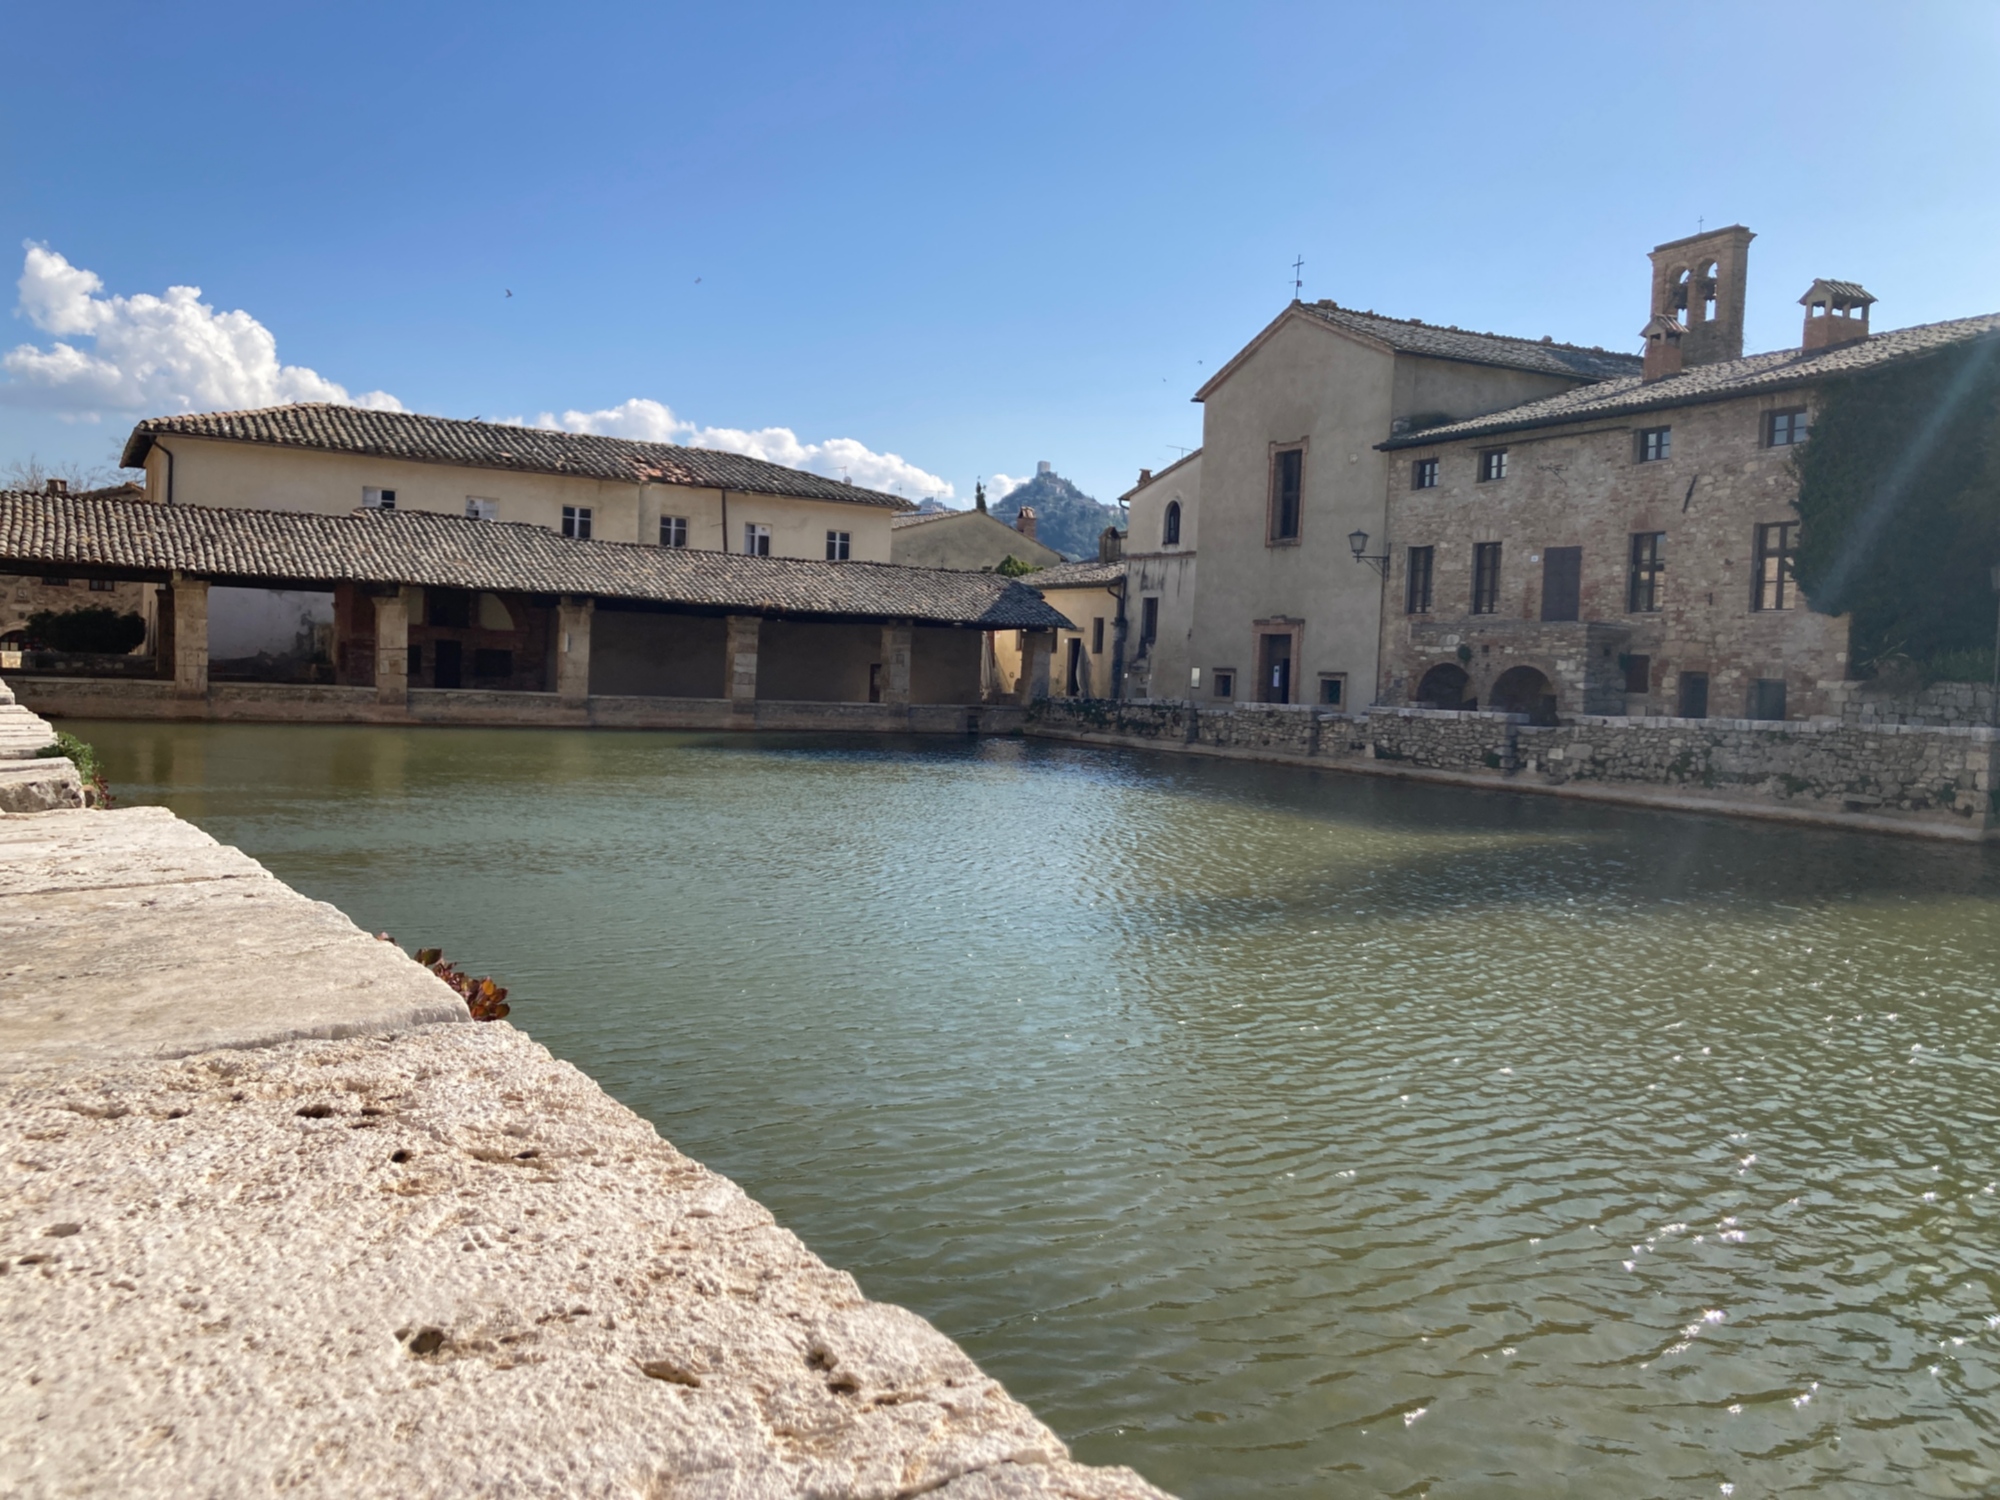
897, 523
1749, 376
41, 532
488, 445
1075, 575
1542, 356
1851, 291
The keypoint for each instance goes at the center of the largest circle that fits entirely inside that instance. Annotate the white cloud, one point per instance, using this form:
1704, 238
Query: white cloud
654, 422
1000, 486
147, 353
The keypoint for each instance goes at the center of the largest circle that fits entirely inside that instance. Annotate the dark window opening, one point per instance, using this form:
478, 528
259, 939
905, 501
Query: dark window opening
1767, 698
1654, 444
491, 663
1772, 583
1642, 582
1097, 636
576, 522
1422, 573
1562, 583
1149, 621
838, 545
1170, 532
1274, 675
450, 659
1784, 428
1492, 465
1485, 577
451, 608
1424, 474
1073, 677
1287, 484
1333, 690
414, 662
673, 531
1694, 695
1225, 684
103, 586
1638, 673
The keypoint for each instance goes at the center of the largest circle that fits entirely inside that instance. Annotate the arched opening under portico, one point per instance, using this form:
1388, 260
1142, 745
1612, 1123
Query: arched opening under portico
1445, 686
1524, 690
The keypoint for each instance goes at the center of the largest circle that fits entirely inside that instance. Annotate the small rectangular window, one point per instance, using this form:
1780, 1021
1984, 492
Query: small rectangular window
1424, 474
1767, 698
1648, 565
1784, 428
52, 581
673, 531
102, 586
477, 509
1225, 683
487, 662
1654, 444
756, 540
1422, 571
1149, 621
1287, 486
1492, 465
838, 545
1485, 577
576, 522
1638, 673
1694, 695
376, 499
1333, 689
1097, 636
1772, 586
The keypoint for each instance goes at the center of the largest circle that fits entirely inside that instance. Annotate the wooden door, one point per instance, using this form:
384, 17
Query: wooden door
1562, 582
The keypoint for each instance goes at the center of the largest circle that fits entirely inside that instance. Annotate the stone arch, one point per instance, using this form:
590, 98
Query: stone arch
13, 631
1446, 685
1170, 530
1525, 690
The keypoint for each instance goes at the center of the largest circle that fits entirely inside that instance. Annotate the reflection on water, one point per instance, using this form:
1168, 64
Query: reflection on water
1269, 1131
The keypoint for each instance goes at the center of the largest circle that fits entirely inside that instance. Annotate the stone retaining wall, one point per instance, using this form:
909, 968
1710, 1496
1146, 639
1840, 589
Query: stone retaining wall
1927, 780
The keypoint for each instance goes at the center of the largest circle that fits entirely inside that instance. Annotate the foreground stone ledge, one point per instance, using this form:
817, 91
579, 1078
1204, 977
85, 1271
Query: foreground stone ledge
444, 1263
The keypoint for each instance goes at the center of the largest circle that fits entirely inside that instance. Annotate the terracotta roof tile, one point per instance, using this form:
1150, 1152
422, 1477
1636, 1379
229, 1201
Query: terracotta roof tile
1544, 357
489, 445
43, 532
1779, 370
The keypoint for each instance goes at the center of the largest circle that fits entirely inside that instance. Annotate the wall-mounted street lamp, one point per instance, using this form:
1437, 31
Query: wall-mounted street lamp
1358, 540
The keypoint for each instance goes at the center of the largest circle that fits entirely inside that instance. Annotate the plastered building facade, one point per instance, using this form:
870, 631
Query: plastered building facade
1162, 527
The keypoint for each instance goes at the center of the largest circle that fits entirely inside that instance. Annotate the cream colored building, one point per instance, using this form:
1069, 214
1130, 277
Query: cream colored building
969, 540
1163, 511
1283, 611
334, 459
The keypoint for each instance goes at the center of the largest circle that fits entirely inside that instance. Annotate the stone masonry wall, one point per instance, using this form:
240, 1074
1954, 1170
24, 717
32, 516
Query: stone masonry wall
1919, 779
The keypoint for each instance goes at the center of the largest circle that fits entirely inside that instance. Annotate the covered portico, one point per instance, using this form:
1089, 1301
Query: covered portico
442, 620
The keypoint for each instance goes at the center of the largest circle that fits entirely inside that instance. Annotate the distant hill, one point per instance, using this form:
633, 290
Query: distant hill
1065, 517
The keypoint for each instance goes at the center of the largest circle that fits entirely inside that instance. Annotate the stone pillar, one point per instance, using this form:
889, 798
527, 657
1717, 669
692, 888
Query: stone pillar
896, 663
190, 637
1036, 646
392, 649
739, 663
573, 651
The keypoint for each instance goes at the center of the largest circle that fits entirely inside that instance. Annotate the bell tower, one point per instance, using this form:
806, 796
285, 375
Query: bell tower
1699, 282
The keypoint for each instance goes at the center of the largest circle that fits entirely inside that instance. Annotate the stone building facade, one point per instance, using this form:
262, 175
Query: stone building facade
1163, 524
1625, 548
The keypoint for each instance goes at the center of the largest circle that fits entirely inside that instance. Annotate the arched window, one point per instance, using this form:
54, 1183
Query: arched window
1170, 534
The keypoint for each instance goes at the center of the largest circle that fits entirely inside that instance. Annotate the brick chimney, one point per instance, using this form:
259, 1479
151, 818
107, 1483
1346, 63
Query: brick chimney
1025, 522
1836, 313
1145, 476
1663, 348
56, 487
1699, 282
1110, 545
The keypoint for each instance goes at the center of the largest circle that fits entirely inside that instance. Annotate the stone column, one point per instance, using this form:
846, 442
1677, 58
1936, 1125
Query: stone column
190, 636
1036, 646
573, 651
739, 663
896, 663
392, 649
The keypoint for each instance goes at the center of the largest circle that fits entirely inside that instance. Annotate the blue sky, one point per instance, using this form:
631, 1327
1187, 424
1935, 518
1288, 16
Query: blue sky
970, 237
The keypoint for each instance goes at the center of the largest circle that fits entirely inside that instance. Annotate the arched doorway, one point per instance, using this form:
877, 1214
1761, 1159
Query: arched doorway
1444, 686
1523, 690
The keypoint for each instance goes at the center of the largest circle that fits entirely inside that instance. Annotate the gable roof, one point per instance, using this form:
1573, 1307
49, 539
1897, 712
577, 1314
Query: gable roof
1076, 575
1782, 369
297, 548
1409, 336
1186, 458
330, 428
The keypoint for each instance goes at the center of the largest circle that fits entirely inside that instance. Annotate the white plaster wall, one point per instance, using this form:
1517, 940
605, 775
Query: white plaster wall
1167, 573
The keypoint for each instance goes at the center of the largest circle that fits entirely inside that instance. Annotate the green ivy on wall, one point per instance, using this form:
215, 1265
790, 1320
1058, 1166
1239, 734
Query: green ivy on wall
1899, 500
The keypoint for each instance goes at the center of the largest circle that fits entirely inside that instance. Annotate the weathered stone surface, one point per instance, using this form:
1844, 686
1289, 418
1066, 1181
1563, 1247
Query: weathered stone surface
443, 1263
42, 785
132, 934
